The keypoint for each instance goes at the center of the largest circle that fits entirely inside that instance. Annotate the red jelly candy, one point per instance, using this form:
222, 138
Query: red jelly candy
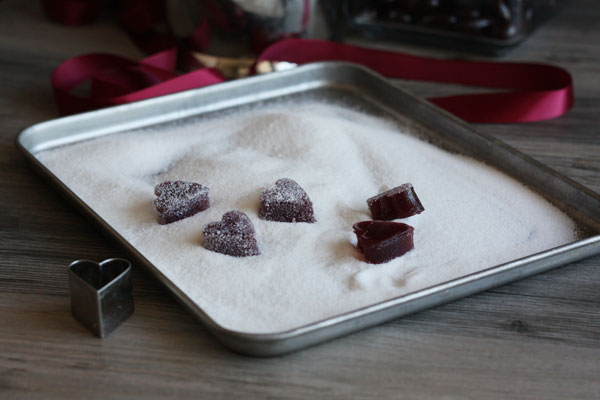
178, 200
399, 202
381, 241
286, 201
233, 235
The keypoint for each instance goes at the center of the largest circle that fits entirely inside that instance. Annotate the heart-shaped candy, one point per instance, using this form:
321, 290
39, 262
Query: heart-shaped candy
286, 201
233, 235
179, 199
101, 294
399, 202
381, 241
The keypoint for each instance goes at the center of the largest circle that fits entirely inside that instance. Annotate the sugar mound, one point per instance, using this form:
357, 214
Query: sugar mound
475, 218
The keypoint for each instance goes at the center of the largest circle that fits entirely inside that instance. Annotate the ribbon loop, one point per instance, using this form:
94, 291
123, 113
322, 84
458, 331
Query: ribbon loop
118, 80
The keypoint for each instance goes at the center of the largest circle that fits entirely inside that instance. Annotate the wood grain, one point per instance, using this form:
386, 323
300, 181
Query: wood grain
537, 338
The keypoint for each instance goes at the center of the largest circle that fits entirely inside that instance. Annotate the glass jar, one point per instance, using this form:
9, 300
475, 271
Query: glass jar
481, 25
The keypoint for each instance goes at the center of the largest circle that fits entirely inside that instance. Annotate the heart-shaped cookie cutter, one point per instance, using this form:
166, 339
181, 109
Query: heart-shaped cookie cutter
101, 294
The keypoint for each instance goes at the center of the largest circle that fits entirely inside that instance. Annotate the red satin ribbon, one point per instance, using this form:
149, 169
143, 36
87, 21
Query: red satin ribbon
118, 80
532, 92
537, 91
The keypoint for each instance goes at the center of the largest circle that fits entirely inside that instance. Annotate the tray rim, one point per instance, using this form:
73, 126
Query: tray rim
270, 344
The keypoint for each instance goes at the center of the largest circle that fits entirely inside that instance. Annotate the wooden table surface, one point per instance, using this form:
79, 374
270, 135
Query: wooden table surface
538, 338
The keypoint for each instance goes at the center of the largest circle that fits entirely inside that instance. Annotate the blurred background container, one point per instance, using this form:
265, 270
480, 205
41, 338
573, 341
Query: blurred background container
480, 26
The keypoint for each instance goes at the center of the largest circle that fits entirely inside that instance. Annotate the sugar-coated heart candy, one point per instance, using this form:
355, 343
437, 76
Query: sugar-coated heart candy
233, 235
178, 200
381, 241
286, 201
399, 202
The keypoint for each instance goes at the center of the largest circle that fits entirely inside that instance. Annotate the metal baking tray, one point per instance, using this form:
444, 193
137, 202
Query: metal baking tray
351, 84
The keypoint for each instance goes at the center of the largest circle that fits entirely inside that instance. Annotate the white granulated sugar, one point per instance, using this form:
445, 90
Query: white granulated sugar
475, 217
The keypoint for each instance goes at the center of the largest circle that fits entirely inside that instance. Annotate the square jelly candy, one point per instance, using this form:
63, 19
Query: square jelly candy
178, 200
233, 235
399, 202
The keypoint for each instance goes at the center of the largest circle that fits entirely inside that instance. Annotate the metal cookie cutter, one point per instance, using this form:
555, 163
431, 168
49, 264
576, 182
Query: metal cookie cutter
101, 294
